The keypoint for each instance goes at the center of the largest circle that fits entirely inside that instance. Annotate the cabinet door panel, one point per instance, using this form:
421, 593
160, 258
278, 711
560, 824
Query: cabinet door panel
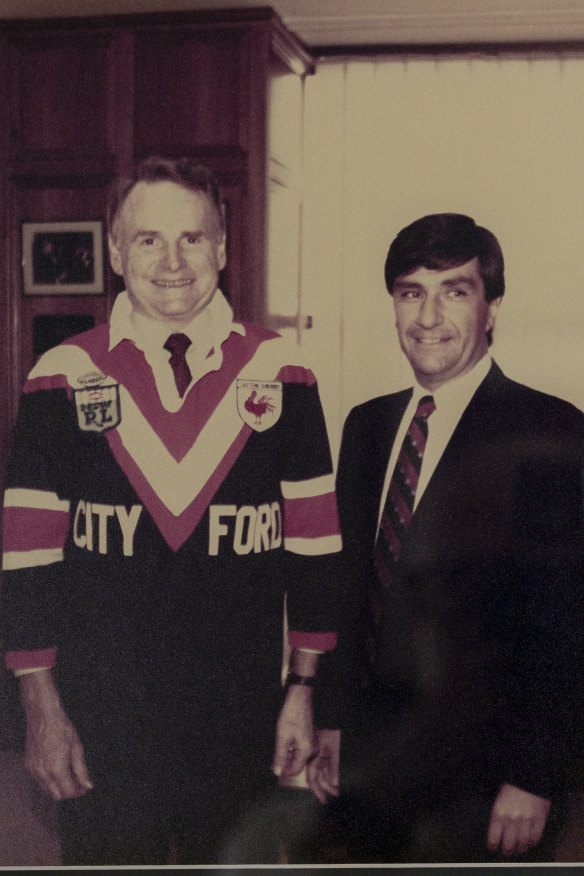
188, 90
59, 98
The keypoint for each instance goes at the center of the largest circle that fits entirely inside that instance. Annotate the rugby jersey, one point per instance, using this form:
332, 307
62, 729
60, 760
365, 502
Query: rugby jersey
207, 513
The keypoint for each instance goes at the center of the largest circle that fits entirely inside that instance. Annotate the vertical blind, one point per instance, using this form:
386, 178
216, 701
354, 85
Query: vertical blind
388, 140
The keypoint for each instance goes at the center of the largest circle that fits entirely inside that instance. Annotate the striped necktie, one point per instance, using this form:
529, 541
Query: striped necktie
398, 511
178, 345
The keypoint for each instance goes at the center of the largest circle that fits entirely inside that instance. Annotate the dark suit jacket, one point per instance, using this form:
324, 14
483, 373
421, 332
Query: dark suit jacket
479, 667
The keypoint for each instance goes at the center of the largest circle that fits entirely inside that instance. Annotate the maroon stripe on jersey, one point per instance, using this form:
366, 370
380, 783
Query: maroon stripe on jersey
312, 517
32, 529
296, 374
313, 641
176, 530
54, 381
47, 657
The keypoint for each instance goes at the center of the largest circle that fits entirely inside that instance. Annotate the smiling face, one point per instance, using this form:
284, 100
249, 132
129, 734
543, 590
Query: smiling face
442, 321
168, 246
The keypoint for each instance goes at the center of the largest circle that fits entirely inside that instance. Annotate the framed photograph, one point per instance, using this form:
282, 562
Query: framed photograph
62, 258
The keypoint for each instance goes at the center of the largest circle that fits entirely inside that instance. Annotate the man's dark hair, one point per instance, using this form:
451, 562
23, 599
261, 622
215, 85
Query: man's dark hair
442, 241
184, 172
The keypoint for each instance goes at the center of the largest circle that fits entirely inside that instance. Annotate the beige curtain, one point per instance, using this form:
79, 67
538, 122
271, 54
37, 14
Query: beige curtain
390, 139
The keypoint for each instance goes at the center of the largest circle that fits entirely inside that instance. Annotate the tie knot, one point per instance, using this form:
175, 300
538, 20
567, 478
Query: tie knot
426, 406
177, 344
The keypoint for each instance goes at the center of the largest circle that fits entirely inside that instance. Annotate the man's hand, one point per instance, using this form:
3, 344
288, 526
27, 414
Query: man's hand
322, 772
53, 754
296, 740
517, 820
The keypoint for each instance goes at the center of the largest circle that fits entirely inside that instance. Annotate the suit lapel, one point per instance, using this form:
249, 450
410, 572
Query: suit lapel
458, 466
367, 460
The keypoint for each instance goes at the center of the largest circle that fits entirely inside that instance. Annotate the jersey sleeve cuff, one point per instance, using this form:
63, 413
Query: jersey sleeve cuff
43, 659
320, 642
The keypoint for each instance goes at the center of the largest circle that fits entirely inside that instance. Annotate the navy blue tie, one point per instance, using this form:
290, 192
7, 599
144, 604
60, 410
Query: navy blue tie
178, 344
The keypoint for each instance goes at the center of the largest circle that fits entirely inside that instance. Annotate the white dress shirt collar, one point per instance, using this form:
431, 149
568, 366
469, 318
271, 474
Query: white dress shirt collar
454, 395
212, 325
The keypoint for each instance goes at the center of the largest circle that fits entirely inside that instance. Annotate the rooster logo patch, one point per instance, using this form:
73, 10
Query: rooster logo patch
259, 403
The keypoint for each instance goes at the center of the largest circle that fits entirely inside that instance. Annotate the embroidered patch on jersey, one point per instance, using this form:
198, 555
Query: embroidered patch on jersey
98, 409
92, 378
259, 403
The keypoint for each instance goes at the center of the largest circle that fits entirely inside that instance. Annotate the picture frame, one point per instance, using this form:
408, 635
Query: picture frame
63, 258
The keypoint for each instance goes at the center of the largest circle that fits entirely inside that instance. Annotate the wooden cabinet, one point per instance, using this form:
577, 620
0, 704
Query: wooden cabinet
83, 97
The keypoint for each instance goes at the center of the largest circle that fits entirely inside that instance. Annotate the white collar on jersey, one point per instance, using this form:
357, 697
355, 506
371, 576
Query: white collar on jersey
207, 329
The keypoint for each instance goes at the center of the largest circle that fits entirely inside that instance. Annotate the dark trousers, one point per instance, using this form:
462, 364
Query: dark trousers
218, 824
174, 768
414, 790
190, 794
453, 833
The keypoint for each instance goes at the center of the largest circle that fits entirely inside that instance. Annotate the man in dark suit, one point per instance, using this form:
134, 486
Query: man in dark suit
457, 672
